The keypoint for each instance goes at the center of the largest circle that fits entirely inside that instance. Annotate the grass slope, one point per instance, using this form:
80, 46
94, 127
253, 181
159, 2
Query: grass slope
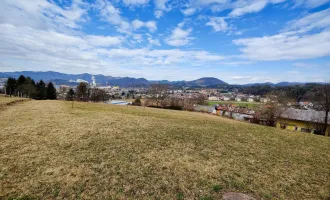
48, 151
5, 100
236, 103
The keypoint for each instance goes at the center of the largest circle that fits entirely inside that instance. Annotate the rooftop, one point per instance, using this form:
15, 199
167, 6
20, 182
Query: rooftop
304, 115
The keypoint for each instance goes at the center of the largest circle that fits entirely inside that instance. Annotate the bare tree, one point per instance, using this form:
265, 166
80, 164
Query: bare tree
98, 95
322, 102
317, 125
70, 96
274, 109
158, 94
191, 102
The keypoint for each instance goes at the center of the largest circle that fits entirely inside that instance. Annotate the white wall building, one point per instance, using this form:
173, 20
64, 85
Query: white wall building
214, 98
250, 100
226, 98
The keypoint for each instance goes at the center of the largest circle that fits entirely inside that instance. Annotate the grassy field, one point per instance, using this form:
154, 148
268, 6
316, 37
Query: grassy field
97, 151
5, 100
246, 104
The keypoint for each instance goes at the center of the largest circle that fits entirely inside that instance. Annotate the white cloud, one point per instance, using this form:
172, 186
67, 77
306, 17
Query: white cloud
286, 47
103, 41
158, 14
255, 6
135, 2
237, 7
137, 38
153, 41
208, 2
179, 37
237, 63
206, 56
112, 15
305, 38
244, 7
42, 14
218, 24
32, 49
318, 20
137, 24
151, 25
161, 4
304, 65
189, 11
167, 57
310, 3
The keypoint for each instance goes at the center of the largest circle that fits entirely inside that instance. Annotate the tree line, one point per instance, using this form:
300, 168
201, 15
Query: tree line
85, 93
295, 92
28, 88
158, 96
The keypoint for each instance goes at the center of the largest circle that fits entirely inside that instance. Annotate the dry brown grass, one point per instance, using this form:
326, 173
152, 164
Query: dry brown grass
5, 100
48, 151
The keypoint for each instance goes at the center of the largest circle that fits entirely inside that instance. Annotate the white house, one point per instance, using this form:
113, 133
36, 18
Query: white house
213, 98
238, 99
250, 99
264, 100
226, 98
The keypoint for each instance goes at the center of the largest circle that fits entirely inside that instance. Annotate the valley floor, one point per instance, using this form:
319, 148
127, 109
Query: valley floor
97, 151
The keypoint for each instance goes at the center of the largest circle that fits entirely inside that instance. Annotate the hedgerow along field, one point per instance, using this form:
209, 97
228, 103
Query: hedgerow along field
95, 151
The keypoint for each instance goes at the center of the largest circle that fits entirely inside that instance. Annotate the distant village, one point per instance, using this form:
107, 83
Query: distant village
301, 116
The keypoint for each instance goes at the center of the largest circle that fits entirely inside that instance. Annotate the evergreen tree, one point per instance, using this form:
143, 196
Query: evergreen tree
20, 85
11, 86
41, 90
51, 91
82, 91
29, 87
70, 95
137, 102
21, 80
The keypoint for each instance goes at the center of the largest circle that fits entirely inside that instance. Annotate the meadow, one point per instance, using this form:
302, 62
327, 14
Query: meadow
250, 105
7, 100
95, 151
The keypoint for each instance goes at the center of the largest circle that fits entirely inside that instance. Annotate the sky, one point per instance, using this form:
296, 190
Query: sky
237, 41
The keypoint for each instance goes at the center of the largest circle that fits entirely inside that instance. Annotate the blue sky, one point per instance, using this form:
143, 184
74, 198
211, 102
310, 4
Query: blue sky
234, 40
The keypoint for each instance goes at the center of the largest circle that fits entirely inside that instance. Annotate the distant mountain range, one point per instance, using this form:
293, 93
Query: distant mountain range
74, 79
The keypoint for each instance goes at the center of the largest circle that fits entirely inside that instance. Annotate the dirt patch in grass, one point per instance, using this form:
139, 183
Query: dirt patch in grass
96, 151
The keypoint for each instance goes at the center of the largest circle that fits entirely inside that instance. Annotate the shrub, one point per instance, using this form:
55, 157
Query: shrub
217, 188
137, 102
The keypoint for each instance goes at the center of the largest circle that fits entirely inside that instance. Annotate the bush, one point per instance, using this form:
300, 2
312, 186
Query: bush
204, 110
174, 107
217, 188
137, 102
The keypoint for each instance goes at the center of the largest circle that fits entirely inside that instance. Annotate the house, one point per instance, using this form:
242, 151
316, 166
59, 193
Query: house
309, 121
306, 104
250, 99
213, 98
233, 112
238, 99
264, 100
226, 98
